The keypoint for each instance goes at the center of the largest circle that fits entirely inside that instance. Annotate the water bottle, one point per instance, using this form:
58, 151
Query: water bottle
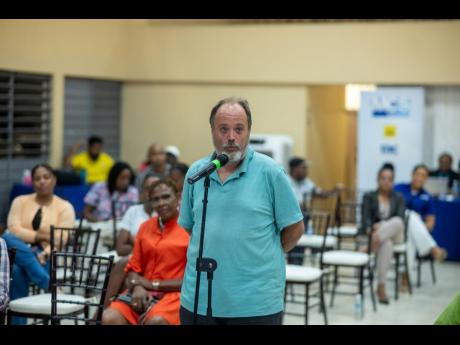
358, 307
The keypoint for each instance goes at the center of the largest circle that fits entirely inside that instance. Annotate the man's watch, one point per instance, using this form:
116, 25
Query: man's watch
155, 285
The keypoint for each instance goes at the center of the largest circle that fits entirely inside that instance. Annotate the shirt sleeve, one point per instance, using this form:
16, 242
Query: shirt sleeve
366, 213
135, 261
286, 208
67, 216
4, 275
92, 197
14, 222
186, 208
126, 222
77, 161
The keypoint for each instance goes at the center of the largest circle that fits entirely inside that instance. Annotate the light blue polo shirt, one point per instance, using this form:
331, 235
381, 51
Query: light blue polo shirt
245, 216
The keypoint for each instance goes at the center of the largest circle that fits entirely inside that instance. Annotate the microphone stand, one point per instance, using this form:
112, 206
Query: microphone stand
207, 265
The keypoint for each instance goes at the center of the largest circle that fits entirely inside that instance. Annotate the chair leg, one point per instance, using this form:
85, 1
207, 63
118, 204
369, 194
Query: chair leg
322, 302
396, 276
406, 264
291, 289
334, 286
361, 287
433, 274
307, 295
371, 286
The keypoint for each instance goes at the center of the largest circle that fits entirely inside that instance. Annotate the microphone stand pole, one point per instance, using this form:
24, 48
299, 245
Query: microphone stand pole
207, 265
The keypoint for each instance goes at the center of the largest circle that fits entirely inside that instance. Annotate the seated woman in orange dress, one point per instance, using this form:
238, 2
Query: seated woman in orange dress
156, 267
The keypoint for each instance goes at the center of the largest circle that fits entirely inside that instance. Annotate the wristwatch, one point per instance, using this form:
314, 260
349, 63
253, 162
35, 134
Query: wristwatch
156, 285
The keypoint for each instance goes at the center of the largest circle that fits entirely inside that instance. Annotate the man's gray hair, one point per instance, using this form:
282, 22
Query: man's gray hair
231, 100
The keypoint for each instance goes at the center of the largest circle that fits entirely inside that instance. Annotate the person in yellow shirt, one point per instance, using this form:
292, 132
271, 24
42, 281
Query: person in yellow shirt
95, 163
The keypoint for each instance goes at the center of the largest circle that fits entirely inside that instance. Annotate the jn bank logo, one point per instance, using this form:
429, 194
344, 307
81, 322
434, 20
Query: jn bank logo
384, 106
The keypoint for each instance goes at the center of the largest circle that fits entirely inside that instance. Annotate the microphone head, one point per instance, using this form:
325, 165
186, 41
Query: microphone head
223, 159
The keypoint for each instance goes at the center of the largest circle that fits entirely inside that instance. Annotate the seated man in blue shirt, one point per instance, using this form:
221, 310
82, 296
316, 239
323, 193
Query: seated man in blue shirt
253, 219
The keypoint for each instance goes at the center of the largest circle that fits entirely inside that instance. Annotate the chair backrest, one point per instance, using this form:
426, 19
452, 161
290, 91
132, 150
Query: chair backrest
327, 201
84, 275
75, 240
349, 213
319, 222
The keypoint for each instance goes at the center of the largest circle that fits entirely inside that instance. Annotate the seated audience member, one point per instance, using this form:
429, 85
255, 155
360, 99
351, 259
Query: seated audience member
445, 170
29, 222
177, 174
172, 155
156, 267
118, 188
303, 186
156, 164
421, 220
95, 163
4, 275
129, 226
383, 218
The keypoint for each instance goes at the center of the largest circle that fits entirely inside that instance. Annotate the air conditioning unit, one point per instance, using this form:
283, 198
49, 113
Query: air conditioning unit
278, 147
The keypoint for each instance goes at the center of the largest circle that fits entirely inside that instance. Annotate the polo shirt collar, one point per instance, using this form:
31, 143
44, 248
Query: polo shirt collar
243, 168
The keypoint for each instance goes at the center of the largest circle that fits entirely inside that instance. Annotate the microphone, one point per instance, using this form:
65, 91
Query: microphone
215, 164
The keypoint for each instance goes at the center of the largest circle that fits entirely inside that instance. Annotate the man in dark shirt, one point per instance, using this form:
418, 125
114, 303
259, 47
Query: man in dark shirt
445, 170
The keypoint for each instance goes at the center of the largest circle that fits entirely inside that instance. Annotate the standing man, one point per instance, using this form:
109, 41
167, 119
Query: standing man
93, 161
253, 218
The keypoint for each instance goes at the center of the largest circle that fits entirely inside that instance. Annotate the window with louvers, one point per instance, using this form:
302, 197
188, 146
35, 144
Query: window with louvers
92, 107
25, 115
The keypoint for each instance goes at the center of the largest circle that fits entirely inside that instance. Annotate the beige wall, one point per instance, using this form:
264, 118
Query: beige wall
83, 48
400, 52
178, 114
174, 74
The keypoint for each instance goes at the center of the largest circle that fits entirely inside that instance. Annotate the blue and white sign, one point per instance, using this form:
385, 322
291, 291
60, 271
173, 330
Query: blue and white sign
390, 129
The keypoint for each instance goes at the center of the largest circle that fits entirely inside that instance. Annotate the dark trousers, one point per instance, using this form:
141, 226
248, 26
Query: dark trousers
186, 318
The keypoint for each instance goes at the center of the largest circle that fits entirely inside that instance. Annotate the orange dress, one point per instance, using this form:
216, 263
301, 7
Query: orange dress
158, 255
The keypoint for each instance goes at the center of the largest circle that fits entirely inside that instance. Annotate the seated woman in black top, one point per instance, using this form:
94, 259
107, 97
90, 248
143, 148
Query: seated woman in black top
383, 217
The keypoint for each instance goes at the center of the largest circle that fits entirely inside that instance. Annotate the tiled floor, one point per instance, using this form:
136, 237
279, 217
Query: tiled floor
422, 308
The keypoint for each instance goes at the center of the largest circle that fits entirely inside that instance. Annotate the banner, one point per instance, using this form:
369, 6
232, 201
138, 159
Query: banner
390, 129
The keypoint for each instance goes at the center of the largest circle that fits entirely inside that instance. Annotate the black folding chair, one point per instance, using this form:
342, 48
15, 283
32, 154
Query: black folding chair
86, 275
306, 276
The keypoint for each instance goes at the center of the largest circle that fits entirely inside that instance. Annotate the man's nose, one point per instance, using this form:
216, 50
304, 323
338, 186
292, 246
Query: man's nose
231, 135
